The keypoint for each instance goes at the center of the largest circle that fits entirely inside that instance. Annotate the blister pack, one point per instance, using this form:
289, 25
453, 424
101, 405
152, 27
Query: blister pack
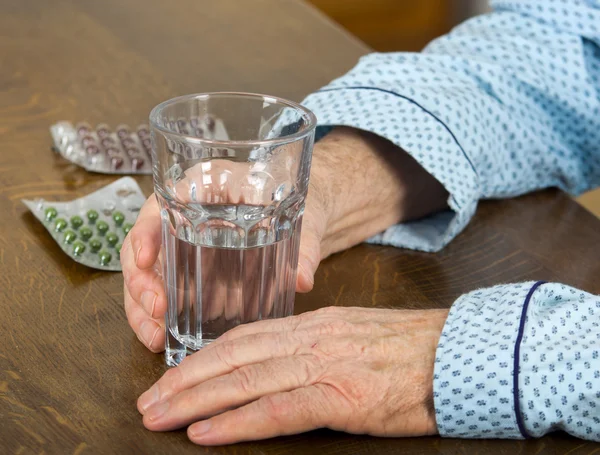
91, 229
124, 150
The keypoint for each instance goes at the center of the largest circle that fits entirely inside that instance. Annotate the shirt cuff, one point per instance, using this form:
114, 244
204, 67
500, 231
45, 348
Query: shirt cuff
425, 137
474, 374
559, 374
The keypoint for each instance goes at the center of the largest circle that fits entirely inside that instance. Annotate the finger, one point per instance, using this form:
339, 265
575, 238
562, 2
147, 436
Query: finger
214, 290
326, 332
233, 390
150, 332
218, 291
285, 413
286, 325
230, 276
290, 277
332, 319
145, 286
145, 236
310, 252
256, 284
266, 292
220, 359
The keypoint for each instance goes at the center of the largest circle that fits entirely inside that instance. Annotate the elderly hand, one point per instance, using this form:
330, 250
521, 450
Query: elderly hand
360, 184
145, 298
364, 371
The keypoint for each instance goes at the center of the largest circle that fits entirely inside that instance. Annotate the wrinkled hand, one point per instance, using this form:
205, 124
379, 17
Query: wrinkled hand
365, 371
145, 298
360, 184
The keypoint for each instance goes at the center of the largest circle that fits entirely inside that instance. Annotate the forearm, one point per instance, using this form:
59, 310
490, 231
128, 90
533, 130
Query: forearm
503, 105
369, 184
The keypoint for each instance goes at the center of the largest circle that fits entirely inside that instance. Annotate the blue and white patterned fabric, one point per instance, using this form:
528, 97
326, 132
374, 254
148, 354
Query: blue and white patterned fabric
507, 103
520, 360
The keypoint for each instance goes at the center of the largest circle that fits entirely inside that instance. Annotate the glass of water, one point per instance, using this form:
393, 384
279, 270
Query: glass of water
231, 176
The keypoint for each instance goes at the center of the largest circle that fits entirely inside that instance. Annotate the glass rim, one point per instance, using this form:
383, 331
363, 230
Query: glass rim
312, 120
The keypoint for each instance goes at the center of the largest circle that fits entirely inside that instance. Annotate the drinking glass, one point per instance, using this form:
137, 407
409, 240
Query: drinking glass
231, 175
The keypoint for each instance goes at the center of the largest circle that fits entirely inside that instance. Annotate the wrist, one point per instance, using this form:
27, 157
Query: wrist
426, 328
413, 353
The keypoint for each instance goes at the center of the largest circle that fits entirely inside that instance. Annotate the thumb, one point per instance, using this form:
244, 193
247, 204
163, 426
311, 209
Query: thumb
310, 252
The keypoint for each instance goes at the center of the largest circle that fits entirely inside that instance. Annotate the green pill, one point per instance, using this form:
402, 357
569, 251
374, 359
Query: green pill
60, 225
95, 245
112, 238
127, 227
118, 249
70, 236
50, 213
92, 216
85, 233
118, 218
104, 257
76, 222
78, 248
102, 227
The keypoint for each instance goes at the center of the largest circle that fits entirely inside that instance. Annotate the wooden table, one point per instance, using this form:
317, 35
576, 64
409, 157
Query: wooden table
70, 368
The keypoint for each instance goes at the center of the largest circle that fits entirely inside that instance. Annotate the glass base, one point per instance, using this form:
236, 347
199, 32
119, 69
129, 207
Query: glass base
176, 351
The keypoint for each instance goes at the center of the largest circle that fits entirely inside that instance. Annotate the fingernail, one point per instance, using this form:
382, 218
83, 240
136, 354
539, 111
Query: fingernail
200, 428
148, 302
148, 398
148, 331
137, 247
157, 410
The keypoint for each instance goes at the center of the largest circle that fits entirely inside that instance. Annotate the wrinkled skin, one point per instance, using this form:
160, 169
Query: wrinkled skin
353, 369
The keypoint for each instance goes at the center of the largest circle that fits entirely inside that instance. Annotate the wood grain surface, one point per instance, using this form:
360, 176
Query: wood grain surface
70, 368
